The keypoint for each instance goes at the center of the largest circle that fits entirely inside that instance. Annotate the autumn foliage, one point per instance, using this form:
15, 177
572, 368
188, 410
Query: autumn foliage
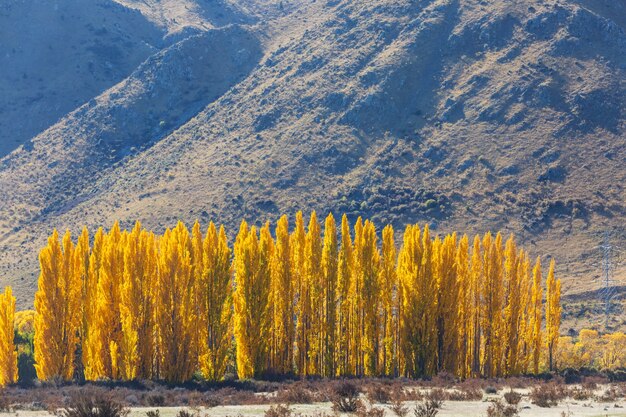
317, 300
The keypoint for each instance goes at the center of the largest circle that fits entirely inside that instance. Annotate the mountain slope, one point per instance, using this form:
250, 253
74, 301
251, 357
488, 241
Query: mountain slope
57, 55
470, 115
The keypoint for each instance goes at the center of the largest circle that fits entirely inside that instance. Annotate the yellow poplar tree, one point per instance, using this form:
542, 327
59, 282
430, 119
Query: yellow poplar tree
344, 284
81, 270
406, 270
176, 313
447, 303
534, 329
491, 306
475, 308
369, 259
216, 299
426, 326
283, 330
298, 246
262, 289
512, 311
356, 301
107, 318
197, 268
92, 364
313, 297
464, 340
525, 296
416, 304
8, 353
57, 303
252, 313
388, 284
553, 314
330, 260
136, 305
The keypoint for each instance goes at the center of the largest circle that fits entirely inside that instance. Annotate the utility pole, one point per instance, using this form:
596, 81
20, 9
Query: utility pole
607, 292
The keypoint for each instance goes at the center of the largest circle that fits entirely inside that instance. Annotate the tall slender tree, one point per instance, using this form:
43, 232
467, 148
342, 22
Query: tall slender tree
215, 296
252, 311
553, 314
388, 284
8, 353
534, 336
57, 319
301, 293
313, 297
330, 261
93, 364
176, 313
344, 286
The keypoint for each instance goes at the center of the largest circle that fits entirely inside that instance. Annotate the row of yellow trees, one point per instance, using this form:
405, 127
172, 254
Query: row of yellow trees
131, 304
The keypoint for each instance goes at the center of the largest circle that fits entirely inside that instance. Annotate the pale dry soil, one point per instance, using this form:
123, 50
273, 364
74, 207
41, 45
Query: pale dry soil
449, 409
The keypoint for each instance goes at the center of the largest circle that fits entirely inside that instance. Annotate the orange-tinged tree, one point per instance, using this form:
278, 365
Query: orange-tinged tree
490, 306
512, 310
475, 311
176, 312
92, 365
197, 268
344, 285
388, 284
137, 305
81, 270
215, 297
330, 264
57, 303
313, 297
447, 304
107, 317
418, 287
525, 295
252, 313
8, 353
553, 314
426, 327
357, 322
464, 307
613, 350
409, 259
301, 293
534, 338
368, 258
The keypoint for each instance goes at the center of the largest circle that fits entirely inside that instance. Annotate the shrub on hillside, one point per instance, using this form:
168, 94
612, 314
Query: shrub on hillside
548, 395
512, 397
364, 411
295, 393
379, 393
345, 397
499, 409
428, 408
398, 407
278, 410
86, 405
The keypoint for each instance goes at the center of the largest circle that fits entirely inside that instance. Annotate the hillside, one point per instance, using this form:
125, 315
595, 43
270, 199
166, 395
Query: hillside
470, 115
